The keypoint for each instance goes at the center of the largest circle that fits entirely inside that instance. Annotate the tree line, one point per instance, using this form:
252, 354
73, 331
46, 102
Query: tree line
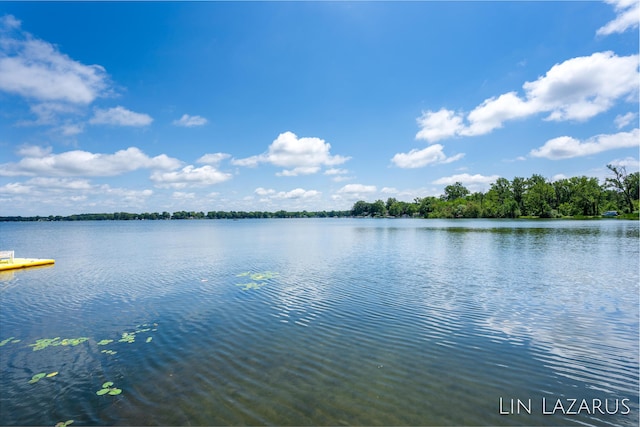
521, 197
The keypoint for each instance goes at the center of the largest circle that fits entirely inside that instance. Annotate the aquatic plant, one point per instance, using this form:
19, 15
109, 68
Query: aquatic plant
128, 337
107, 388
8, 340
64, 423
37, 377
43, 343
110, 352
252, 285
149, 339
258, 279
104, 342
41, 375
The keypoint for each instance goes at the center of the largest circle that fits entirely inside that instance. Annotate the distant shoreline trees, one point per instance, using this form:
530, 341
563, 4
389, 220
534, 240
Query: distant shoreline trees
531, 197
521, 197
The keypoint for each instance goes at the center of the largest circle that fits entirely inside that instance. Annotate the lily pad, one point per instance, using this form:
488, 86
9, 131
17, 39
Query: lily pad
64, 423
149, 339
52, 374
37, 377
252, 285
102, 391
3, 342
104, 342
115, 391
107, 384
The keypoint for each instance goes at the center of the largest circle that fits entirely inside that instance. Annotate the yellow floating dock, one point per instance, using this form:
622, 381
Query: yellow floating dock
14, 263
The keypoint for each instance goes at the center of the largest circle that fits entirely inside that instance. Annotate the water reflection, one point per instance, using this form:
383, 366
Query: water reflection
376, 322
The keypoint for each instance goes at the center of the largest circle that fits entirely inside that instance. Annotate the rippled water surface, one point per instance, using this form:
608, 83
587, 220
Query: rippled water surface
322, 322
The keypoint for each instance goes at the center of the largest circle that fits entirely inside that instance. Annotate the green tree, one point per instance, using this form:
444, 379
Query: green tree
539, 196
361, 208
455, 191
378, 208
625, 184
585, 195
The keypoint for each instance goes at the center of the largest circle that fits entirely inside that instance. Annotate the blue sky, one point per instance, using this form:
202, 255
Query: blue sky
151, 107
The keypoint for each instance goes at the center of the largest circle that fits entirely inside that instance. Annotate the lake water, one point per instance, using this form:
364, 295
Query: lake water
322, 322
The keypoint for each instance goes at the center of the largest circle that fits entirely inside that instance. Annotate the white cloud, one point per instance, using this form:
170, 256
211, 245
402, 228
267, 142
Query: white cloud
264, 192
297, 193
627, 162
213, 158
301, 170
190, 121
183, 196
576, 89
357, 189
33, 151
40, 161
9, 22
60, 183
71, 129
419, 158
300, 156
627, 17
336, 171
190, 176
389, 190
583, 87
15, 188
439, 125
351, 192
119, 116
37, 70
624, 120
467, 179
494, 111
566, 147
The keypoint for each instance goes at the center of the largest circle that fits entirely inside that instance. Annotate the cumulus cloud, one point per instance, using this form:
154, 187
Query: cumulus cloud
467, 179
119, 116
576, 89
213, 158
627, 162
357, 189
190, 176
627, 12
439, 125
264, 192
419, 158
37, 70
297, 193
300, 156
40, 161
566, 147
190, 121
